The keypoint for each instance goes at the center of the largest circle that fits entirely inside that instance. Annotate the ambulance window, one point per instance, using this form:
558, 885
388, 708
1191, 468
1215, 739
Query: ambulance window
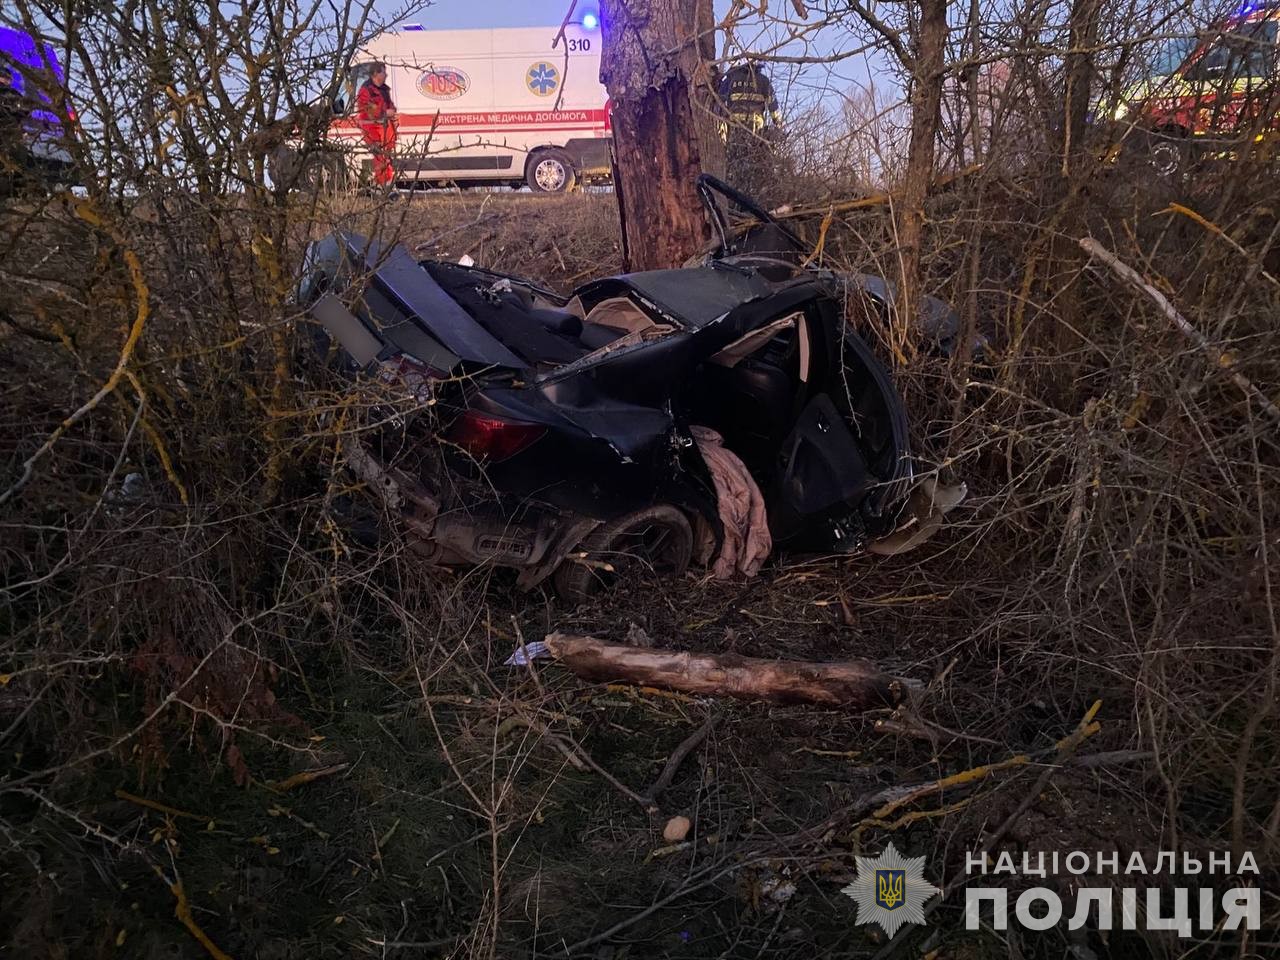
356, 77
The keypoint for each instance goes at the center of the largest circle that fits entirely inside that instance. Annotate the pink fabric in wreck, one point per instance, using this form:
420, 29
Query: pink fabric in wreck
741, 506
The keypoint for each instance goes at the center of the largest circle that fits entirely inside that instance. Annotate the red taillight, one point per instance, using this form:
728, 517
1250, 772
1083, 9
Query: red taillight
492, 438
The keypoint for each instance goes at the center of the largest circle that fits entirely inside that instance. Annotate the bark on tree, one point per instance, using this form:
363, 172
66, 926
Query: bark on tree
1083, 27
926, 103
655, 66
1075, 169
707, 108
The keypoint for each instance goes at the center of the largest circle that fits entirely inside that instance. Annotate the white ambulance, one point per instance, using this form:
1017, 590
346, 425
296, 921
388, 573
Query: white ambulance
488, 106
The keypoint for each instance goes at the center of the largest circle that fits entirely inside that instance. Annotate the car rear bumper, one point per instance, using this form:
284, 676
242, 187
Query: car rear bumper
534, 543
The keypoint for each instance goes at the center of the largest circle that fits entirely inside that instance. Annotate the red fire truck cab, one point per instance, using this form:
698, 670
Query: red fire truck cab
1215, 91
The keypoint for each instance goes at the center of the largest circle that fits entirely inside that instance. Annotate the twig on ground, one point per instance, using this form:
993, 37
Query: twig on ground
572, 750
160, 807
670, 898
678, 755
181, 910
1063, 750
305, 777
481, 217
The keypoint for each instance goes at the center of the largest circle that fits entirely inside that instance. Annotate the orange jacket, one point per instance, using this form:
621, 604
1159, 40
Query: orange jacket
372, 103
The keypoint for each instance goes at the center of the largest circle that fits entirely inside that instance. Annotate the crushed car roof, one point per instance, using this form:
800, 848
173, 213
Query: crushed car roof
695, 296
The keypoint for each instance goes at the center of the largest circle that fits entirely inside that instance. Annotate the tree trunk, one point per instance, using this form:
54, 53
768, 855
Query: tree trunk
1075, 168
1083, 27
707, 109
654, 65
926, 104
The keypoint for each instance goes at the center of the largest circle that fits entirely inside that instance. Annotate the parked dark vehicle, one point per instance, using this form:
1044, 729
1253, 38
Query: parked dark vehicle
554, 435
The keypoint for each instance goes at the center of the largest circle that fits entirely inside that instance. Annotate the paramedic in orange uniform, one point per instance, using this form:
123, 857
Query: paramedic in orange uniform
377, 115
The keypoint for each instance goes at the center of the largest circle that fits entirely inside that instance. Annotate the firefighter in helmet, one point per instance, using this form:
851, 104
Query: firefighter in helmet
747, 101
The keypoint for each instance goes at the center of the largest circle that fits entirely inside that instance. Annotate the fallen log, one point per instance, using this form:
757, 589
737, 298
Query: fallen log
850, 685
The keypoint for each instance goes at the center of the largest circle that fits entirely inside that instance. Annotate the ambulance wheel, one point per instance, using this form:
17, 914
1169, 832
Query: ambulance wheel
550, 171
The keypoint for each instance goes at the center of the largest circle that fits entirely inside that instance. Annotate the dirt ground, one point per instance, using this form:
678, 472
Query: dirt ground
396, 840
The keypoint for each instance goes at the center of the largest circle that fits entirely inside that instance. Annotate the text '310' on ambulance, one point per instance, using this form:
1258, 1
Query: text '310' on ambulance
488, 106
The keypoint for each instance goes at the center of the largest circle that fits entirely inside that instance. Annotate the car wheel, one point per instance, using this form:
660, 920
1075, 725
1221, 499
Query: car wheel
1168, 154
550, 171
657, 539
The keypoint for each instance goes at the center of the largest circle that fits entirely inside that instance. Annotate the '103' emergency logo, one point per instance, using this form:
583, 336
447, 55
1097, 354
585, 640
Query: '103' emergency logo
443, 83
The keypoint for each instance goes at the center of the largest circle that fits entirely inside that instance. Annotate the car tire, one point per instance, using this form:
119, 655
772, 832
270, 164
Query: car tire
657, 539
1168, 154
550, 171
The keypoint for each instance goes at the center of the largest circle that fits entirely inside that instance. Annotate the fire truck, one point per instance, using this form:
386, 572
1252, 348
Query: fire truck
496, 106
1214, 92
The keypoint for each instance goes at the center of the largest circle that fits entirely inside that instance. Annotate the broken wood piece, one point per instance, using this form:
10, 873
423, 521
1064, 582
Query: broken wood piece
305, 777
851, 685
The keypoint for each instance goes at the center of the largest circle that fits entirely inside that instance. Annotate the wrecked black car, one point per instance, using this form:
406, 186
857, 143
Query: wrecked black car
571, 437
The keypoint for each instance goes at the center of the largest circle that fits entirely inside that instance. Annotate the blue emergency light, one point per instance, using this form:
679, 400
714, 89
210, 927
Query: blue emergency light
1250, 7
590, 21
18, 47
